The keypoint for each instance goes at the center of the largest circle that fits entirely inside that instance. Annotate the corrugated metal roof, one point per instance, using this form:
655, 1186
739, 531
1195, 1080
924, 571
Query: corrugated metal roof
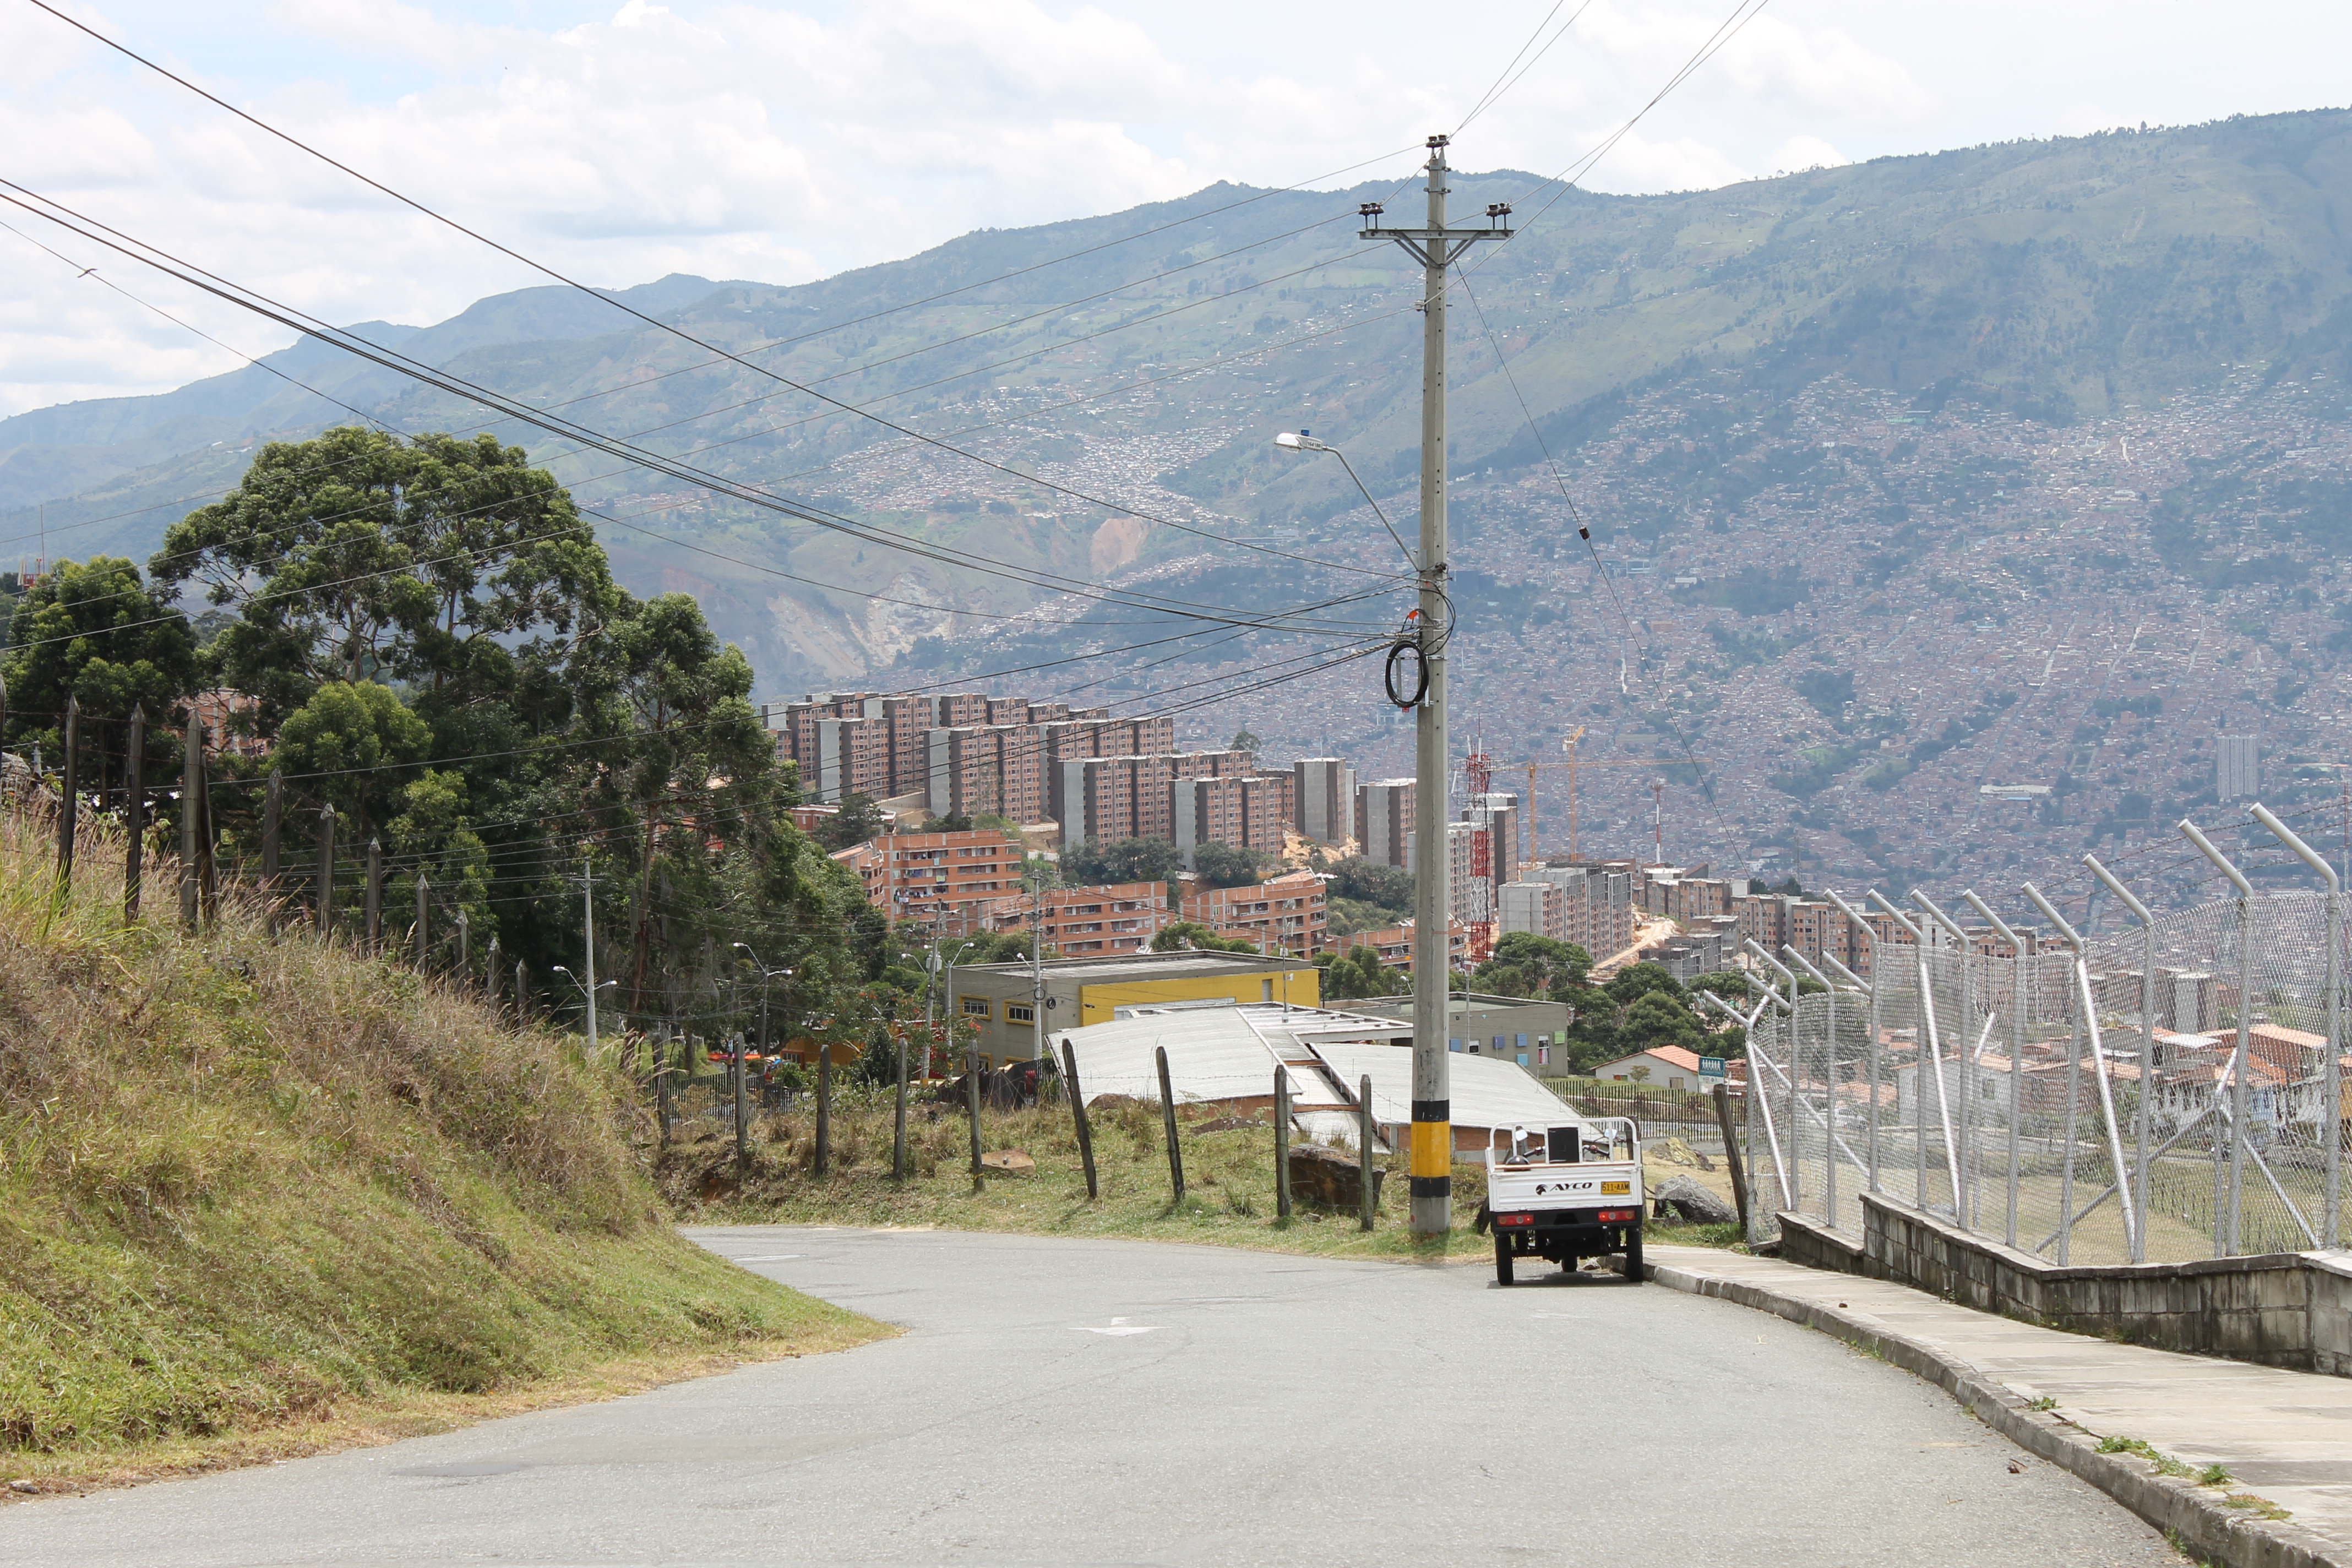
1231, 1053
1487, 1092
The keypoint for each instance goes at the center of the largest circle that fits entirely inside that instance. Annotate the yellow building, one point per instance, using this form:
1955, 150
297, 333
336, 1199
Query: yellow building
1000, 999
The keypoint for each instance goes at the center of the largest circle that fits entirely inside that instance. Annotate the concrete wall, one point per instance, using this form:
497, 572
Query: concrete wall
2288, 1309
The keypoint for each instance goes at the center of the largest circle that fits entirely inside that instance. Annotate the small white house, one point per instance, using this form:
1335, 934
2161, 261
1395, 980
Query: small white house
1660, 1066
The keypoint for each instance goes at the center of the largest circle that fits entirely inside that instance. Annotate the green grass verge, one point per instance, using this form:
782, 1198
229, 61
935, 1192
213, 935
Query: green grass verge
256, 1192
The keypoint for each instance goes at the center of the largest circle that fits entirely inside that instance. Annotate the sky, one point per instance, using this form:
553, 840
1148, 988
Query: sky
785, 143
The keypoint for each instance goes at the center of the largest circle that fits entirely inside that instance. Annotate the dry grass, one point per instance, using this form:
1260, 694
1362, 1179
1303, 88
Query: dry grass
257, 1187
1229, 1180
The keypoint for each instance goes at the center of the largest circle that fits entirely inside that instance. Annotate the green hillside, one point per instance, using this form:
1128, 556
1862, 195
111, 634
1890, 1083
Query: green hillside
263, 1195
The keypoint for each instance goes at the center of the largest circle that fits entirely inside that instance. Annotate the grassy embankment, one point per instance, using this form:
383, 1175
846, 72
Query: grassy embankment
262, 1197
1229, 1178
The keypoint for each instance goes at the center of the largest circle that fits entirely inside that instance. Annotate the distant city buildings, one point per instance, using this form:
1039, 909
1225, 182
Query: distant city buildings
1384, 821
1325, 788
2237, 772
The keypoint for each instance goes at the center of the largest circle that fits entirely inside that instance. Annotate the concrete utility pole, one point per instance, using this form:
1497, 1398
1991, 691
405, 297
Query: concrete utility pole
1430, 1164
588, 947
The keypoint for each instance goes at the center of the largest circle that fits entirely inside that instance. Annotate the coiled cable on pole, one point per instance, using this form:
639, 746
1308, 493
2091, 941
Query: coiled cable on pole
1397, 652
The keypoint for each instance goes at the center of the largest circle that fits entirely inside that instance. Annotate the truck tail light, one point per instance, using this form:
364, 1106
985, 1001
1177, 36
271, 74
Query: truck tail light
1617, 1216
1513, 1221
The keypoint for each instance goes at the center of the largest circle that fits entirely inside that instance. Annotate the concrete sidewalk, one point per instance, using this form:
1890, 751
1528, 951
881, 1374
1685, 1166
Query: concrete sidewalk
2284, 1437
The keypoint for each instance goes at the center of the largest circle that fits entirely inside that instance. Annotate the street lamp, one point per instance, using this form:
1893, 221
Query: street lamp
949, 1006
742, 1133
587, 996
1300, 441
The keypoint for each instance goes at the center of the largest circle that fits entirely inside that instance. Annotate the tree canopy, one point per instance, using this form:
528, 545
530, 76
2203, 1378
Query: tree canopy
1358, 973
1227, 865
94, 632
438, 649
1094, 864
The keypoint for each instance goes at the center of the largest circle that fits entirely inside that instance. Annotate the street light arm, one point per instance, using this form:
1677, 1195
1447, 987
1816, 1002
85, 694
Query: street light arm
1300, 441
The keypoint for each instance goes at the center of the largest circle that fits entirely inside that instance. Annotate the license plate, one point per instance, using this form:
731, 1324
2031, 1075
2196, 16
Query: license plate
1616, 1186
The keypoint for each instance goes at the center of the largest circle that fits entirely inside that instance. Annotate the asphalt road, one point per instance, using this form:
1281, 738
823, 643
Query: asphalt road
1083, 1402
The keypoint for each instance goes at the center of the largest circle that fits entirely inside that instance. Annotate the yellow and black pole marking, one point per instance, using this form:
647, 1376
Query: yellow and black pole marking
1431, 1149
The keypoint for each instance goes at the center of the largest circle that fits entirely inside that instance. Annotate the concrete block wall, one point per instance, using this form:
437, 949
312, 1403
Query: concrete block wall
2290, 1309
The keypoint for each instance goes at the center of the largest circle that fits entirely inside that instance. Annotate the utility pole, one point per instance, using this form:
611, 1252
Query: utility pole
1037, 974
1432, 1162
588, 946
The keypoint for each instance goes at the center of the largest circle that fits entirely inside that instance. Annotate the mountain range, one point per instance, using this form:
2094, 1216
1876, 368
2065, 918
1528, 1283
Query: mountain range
1097, 398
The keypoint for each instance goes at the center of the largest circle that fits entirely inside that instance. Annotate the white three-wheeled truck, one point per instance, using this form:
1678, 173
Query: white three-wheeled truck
1566, 1192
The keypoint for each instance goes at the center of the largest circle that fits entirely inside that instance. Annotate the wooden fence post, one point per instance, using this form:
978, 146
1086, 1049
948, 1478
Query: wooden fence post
824, 1105
273, 817
424, 896
1281, 1144
324, 911
191, 794
134, 813
374, 921
1364, 1147
70, 800
971, 1105
1078, 1112
465, 961
1731, 1151
491, 973
1167, 1118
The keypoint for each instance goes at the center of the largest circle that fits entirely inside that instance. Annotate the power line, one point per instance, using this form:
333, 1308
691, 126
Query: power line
1495, 93
262, 305
630, 309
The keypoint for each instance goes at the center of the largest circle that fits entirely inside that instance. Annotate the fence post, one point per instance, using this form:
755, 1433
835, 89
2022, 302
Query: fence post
424, 908
69, 799
324, 909
1078, 1112
491, 973
373, 923
522, 996
134, 813
1364, 1147
273, 811
1167, 1119
824, 1107
2331, 1121
972, 1106
1281, 1144
743, 1116
897, 1105
192, 789
661, 1082
464, 961
1731, 1152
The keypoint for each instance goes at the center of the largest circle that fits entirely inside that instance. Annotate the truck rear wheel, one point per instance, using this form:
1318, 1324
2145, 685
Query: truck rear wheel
1635, 1273
1502, 1258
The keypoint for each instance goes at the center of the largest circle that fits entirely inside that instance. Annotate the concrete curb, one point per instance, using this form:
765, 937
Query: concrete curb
2208, 1528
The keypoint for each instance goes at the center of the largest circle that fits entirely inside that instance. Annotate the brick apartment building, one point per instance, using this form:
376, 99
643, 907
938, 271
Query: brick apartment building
1087, 922
948, 877
1285, 912
1590, 903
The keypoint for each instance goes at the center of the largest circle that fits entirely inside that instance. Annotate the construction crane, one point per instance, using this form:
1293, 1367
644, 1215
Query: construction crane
1572, 763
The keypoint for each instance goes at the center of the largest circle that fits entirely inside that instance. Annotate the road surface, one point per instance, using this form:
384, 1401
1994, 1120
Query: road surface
1096, 1402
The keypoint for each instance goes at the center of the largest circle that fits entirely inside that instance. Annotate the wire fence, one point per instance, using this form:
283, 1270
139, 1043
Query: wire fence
2172, 1093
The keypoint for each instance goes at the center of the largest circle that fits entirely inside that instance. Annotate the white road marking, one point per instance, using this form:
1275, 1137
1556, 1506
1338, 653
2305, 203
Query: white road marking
772, 1257
1118, 1326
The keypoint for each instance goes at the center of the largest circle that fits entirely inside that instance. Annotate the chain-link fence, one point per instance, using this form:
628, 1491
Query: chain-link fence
2171, 1093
